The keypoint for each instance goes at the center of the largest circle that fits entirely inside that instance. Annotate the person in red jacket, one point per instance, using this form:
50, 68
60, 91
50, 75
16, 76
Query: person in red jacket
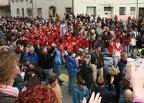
126, 42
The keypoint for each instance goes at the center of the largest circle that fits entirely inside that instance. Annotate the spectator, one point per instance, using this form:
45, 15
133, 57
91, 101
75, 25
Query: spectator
107, 95
19, 82
80, 92
141, 52
71, 65
115, 49
117, 78
122, 63
47, 62
31, 55
126, 96
100, 42
8, 71
86, 73
140, 43
25, 51
55, 86
106, 39
38, 94
58, 62
97, 62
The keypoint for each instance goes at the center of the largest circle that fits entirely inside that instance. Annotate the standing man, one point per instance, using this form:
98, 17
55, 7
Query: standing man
71, 65
97, 62
58, 62
115, 49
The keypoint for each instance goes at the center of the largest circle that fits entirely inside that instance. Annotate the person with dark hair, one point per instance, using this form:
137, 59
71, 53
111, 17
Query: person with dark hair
19, 82
107, 95
46, 62
115, 49
100, 42
58, 62
32, 80
71, 66
86, 73
53, 84
80, 92
97, 62
38, 94
122, 63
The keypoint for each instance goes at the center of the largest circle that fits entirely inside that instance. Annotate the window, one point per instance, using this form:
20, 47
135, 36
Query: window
29, 12
91, 10
39, 12
132, 10
18, 12
23, 12
68, 10
52, 10
122, 10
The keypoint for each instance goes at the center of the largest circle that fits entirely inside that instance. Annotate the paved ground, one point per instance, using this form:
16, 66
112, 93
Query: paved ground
66, 97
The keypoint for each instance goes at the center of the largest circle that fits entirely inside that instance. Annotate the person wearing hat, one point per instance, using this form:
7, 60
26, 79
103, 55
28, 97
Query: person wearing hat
31, 55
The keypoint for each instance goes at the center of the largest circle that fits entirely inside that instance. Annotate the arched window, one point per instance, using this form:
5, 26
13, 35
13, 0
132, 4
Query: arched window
52, 11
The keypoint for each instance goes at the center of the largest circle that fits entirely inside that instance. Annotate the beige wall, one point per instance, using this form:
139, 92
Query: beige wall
44, 4
4, 2
79, 6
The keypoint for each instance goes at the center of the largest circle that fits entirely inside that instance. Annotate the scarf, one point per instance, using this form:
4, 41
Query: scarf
9, 90
119, 48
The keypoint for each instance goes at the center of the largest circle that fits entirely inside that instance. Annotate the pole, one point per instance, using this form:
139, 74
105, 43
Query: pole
73, 6
32, 12
137, 10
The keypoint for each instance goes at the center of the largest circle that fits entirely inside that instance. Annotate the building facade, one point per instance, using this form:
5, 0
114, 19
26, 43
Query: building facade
5, 8
42, 8
110, 8
104, 8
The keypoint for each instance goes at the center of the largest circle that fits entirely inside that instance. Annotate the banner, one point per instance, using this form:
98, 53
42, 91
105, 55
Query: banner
63, 29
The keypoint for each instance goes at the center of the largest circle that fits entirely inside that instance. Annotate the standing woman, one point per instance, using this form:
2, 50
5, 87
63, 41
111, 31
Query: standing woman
8, 71
53, 84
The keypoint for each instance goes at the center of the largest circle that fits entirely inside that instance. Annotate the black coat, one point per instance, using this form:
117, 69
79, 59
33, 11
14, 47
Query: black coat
5, 98
47, 61
106, 94
86, 73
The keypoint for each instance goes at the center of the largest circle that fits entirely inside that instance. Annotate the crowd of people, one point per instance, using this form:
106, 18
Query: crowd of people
32, 51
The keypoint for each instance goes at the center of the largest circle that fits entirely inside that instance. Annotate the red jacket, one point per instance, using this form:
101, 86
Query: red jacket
126, 41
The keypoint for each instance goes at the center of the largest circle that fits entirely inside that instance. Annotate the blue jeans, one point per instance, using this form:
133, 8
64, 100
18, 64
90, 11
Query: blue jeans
105, 50
57, 71
71, 83
47, 73
127, 49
